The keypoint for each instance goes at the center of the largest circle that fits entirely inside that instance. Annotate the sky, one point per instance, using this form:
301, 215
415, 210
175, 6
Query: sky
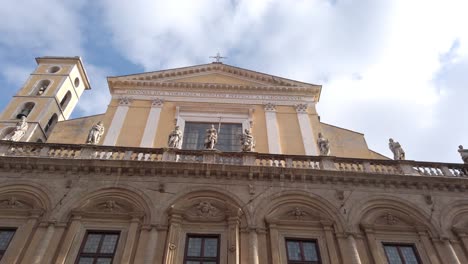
394, 69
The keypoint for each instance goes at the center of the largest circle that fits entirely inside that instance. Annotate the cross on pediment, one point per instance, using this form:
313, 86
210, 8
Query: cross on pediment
218, 58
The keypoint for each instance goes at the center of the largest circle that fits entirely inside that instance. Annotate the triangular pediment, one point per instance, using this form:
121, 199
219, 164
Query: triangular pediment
216, 73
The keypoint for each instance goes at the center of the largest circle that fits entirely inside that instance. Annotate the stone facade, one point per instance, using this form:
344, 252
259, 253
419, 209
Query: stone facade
350, 204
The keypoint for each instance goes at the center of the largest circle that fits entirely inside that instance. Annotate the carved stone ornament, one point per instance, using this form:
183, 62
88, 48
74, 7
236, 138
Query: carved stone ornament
157, 102
19, 131
232, 248
397, 150
13, 203
324, 145
391, 219
95, 133
211, 138
301, 108
175, 138
125, 101
340, 195
205, 209
247, 141
269, 107
172, 246
298, 213
110, 206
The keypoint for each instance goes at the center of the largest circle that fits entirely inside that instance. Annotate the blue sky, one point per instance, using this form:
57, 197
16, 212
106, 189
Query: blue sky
388, 68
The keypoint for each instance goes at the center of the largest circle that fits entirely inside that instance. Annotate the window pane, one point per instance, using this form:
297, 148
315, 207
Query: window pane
92, 243
409, 255
108, 245
194, 247
310, 252
228, 136
5, 237
192, 262
86, 261
104, 261
392, 255
209, 262
294, 251
211, 247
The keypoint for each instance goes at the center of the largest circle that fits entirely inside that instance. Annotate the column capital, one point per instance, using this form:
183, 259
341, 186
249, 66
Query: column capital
125, 101
301, 108
157, 102
269, 107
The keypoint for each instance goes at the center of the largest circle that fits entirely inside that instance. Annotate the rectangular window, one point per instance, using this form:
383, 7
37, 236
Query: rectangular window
98, 247
302, 251
401, 254
229, 135
202, 249
5, 238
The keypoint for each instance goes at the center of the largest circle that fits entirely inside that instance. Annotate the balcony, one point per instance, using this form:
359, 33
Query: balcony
158, 155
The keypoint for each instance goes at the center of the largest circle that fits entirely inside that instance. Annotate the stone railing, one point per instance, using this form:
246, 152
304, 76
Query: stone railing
95, 152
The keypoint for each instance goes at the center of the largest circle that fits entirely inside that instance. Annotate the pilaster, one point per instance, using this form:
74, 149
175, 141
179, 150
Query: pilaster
152, 124
117, 122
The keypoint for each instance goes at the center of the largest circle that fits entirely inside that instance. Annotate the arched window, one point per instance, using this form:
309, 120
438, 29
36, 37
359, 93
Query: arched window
25, 110
41, 87
52, 121
65, 100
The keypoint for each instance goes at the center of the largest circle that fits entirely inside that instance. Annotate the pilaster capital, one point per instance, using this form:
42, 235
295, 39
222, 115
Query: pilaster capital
157, 103
269, 107
125, 101
301, 108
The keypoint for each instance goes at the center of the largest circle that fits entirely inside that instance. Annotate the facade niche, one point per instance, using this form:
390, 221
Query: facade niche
25, 110
42, 87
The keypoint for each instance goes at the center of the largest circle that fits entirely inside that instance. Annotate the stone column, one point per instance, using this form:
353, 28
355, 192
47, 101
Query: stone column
152, 124
373, 246
344, 249
233, 240
130, 244
328, 229
274, 146
451, 254
355, 258
274, 240
172, 239
117, 122
44, 243
67, 242
428, 247
253, 245
20, 240
307, 133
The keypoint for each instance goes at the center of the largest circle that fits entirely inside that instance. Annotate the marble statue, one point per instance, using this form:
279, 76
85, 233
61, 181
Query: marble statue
211, 138
95, 133
324, 145
395, 147
19, 131
463, 154
247, 141
175, 138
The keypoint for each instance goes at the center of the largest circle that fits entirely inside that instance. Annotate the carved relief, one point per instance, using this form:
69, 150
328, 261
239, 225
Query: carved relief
13, 203
205, 211
269, 107
298, 213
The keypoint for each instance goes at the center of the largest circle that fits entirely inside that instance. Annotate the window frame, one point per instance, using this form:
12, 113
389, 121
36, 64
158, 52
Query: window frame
202, 259
398, 246
3, 229
203, 134
295, 239
97, 255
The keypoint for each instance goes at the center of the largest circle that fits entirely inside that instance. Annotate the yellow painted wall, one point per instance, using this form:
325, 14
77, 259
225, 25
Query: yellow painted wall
289, 131
166, 125
259, 130
134, 124
30, 85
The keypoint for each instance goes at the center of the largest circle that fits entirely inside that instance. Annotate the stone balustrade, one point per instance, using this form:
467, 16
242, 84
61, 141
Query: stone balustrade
330, 163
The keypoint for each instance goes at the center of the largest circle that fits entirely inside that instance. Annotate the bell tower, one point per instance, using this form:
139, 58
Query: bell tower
49, 95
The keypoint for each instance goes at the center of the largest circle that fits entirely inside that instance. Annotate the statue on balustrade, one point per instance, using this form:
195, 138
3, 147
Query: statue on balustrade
395, 147
324, 145
211, 138
19, 131
175, 138
95, 133
463, 153
247, 141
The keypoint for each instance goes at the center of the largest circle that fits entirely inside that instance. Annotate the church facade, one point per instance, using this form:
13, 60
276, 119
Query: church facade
211, 164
